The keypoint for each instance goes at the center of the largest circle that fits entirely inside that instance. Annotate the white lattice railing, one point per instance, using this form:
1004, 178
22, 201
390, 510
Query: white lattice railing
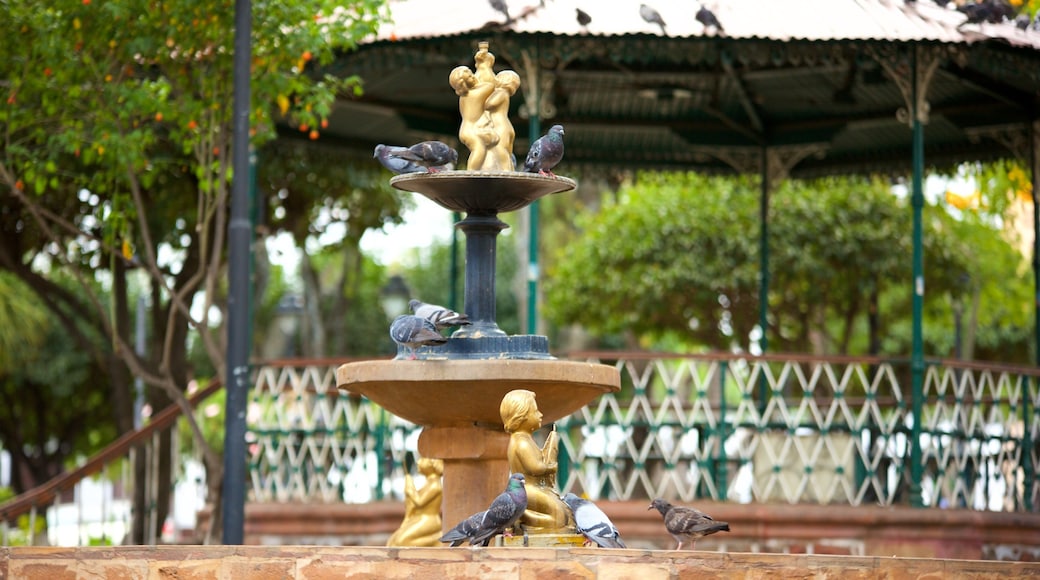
732, 428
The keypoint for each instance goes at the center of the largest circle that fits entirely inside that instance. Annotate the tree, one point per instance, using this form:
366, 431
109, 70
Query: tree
53, 403
116, 128
677, 256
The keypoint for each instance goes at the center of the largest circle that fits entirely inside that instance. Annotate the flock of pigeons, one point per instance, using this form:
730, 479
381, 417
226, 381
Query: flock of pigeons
685, 524
976, 11
433, 156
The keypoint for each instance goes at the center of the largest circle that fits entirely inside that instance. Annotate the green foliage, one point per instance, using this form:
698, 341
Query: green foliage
672, 249
675, 261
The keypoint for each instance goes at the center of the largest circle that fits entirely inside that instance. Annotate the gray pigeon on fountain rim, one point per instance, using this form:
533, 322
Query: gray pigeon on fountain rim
546, 152
411, 332
385, 155
440, 316
500, 518
593, 523
429, 154
686, 523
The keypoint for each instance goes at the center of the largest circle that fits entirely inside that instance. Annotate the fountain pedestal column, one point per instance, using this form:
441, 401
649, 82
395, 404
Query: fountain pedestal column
475, 466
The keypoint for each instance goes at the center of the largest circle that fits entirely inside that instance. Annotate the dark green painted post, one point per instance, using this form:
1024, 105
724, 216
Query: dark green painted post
763, 273
917, 344
1027, 444
721, 472
1034, 161
534, 130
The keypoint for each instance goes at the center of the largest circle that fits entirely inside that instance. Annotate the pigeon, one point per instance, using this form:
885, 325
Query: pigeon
687, 523
429, 154
411, 332
652, 16
500, 518
593, 523
384, 153
440, 316
546, 152
500, 6
583, 18
707, 18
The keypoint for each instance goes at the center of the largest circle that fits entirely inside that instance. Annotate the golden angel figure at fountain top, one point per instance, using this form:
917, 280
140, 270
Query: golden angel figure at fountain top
484, 106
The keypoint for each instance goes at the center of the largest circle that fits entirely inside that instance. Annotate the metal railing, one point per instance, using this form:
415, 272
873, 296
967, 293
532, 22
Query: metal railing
91, 504
776, 428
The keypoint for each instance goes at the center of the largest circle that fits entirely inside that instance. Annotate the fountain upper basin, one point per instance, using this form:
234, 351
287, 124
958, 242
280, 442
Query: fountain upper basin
464, 392
482, 192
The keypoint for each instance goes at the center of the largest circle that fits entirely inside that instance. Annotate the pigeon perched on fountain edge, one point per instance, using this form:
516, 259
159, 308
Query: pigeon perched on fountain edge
429, 154
686, 523
440, 316
546, 152
412, 331
385, 155
593, 523
500, 518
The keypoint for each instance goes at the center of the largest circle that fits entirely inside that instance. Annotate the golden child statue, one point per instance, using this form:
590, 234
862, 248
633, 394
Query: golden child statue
546, 512
484, 107
422, 508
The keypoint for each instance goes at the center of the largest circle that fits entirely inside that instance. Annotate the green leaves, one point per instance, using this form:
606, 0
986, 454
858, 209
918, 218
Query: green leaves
678, 255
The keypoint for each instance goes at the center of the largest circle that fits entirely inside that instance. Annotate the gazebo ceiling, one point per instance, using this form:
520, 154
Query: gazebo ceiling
825, 80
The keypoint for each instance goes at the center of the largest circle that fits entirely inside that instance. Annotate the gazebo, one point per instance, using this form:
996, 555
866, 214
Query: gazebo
806, 88
809, 88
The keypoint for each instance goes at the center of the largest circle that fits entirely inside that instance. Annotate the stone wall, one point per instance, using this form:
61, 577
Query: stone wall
761, 528
350, 563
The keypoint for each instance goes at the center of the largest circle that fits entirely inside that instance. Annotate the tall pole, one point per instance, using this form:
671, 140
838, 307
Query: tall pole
917, 341
1034, 162
240, 233
534, 130
763, 272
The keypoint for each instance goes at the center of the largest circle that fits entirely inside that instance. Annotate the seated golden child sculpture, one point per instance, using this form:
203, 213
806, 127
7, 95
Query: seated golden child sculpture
422, 508
546, 512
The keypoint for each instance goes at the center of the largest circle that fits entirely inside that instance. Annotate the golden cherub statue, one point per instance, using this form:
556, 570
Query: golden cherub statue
546, 512
484, 107
422, 508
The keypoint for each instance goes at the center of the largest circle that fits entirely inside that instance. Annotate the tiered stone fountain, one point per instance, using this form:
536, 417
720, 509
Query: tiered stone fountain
454, 391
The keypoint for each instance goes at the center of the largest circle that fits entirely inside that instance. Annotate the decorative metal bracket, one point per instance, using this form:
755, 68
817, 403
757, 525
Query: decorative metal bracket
779, 160
898, 66
538, 88
1015, 138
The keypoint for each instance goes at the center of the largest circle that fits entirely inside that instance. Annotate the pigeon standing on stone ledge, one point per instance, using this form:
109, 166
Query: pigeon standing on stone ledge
593, 523
500, 518
687, 523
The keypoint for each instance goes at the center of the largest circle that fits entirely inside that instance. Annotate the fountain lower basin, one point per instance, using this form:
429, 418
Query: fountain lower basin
457, 403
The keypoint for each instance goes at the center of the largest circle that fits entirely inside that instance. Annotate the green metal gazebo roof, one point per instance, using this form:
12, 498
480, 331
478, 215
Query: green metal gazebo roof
834, 88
